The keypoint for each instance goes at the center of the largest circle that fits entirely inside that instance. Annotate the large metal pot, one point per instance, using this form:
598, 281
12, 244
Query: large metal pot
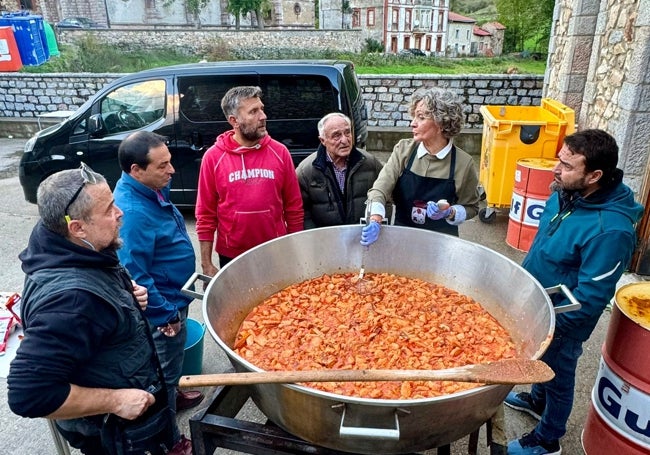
372, 426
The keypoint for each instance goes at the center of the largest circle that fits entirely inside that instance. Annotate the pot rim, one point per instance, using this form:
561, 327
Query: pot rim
237, 359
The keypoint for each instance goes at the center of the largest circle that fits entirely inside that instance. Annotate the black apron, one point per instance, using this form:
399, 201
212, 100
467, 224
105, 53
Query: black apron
412, 192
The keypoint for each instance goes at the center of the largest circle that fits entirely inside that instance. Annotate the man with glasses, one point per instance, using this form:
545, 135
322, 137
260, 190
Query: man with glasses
157, 251
87, 357
335, 179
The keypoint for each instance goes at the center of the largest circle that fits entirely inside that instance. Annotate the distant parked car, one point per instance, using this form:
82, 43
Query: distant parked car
413, 52
78, 22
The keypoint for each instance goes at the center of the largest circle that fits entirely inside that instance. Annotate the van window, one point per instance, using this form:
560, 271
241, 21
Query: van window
285, 97
201, 96
298, 97
133, 106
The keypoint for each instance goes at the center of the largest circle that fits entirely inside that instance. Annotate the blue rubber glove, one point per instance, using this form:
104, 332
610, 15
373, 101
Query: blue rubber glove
370, 233
435, 213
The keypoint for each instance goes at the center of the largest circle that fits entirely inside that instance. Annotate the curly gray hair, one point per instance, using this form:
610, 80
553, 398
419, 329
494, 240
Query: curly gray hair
443, 106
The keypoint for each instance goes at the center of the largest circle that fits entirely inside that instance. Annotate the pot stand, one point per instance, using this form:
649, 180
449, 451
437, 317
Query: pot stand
216, 427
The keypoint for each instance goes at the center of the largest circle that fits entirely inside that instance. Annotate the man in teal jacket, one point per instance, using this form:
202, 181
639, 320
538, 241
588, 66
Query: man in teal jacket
585, 241
158, 251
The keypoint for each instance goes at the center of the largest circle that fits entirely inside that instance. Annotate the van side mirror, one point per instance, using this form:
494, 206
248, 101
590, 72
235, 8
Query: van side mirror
95, 124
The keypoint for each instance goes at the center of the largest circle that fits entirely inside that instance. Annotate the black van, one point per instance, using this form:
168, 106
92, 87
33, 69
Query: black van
183, 103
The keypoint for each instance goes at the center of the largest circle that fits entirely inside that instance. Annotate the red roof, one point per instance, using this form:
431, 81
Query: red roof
453, 17
478, 31
497, 25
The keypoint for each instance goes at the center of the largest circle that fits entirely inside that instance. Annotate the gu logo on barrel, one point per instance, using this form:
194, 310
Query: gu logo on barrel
623, 407
533, 178
619, 415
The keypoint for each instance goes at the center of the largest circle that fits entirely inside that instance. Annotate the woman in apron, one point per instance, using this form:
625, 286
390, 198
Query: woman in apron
427, 170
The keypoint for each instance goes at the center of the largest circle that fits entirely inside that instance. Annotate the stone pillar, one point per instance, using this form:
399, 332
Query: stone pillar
621, 88
570, 50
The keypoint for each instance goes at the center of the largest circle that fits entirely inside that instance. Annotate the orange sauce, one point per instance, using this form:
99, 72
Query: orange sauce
325, 323
634, 301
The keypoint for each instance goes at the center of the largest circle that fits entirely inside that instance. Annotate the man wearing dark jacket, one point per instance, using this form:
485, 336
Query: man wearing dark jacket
87, 357
585, 240
334, 180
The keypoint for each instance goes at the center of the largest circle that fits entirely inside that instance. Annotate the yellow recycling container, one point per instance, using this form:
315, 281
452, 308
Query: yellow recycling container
511, 133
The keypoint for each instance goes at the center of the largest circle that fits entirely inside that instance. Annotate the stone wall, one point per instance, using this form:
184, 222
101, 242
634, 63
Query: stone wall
598, 65
27, 96
202, 42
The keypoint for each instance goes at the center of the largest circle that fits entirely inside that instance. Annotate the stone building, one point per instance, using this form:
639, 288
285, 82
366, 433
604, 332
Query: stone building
460, 36
421, 25
598, 62
368, 16
496, 31
163, 14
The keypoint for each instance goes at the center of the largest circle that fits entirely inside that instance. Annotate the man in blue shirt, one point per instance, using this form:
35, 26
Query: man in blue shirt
157, 251
585, 241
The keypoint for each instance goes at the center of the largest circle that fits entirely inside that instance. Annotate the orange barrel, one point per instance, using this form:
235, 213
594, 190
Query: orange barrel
533, 177
9, 54
618, 420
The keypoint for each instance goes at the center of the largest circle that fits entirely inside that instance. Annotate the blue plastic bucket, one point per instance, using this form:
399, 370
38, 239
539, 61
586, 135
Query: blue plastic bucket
193, 360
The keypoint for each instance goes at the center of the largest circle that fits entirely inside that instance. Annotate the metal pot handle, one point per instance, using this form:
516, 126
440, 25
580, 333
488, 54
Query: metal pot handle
186, 289
573, 306
375, 433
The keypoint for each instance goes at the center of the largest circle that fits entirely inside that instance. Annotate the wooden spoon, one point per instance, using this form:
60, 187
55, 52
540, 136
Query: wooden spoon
509, 371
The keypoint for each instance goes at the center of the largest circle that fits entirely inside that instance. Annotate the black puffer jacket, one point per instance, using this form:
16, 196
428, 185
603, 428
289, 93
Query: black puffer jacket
323, 202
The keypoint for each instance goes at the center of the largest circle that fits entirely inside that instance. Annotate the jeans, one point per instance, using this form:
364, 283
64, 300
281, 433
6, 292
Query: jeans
82, 434
171, 351
562, 356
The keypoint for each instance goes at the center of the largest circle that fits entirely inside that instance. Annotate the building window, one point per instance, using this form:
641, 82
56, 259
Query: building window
356, 17
428, 45
370, 18
407, 18
395, 19
457, 33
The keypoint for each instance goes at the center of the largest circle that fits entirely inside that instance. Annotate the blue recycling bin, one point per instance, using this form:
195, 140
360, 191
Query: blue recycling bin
30, 37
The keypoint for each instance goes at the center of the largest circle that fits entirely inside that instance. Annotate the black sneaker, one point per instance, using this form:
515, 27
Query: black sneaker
522, 401
531, 444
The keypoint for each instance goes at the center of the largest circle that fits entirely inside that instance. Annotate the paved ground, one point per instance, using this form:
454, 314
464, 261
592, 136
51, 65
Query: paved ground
31, 436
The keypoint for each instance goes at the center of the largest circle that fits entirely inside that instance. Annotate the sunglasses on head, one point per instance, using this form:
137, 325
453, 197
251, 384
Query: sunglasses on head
88, 176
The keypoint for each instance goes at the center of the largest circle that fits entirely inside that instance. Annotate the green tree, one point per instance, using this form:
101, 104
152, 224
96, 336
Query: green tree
525, 21
242, 7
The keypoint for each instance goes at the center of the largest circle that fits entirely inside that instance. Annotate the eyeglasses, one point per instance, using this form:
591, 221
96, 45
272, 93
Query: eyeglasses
88, 176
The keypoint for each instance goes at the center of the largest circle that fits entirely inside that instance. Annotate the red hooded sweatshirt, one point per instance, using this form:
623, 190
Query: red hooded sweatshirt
248, 195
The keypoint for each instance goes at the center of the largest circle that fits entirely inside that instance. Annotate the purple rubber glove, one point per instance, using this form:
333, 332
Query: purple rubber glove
370, 233
435, 212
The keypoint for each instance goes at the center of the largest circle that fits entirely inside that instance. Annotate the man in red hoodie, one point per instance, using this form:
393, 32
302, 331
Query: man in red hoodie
248, 190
